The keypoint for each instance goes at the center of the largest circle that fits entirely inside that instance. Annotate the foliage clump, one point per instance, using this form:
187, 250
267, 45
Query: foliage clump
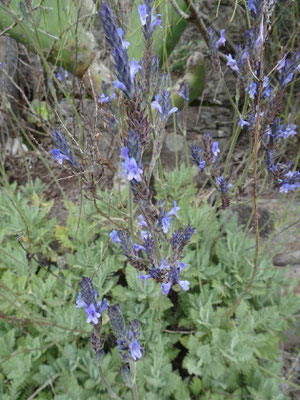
193, 346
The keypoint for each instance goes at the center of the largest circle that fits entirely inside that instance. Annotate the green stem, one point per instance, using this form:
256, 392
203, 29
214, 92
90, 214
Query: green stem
156, 157
111, 393
186, 149
234, 11
135, 395
255, 178
247, 15
278, 377
237, 131
130, 210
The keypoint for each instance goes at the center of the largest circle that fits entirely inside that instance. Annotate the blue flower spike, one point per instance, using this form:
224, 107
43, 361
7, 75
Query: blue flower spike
63, 152
87, 299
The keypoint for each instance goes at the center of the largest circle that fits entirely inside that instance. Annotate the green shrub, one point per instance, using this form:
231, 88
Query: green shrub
193, 349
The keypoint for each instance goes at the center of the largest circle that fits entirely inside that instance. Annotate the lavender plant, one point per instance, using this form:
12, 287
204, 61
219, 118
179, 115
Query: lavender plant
154, 255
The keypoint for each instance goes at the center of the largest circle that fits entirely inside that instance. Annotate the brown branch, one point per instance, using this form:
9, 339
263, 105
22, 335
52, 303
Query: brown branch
30, 321
179, 10
201, 20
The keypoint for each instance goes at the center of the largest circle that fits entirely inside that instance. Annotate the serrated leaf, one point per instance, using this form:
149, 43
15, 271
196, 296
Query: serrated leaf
62, 236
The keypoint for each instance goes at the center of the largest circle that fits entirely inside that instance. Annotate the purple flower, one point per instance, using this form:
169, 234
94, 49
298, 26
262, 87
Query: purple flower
138, 247
142, 221
232, 63
184, 92
282, 131
149, 247
121, 34
287, 69
63, 152
291, 182
166, 287
156, 104
59, 156
126, 337
142, 9
252, 89
148, 20
185, 285
61, 74
103, 99
110, 26
288, 78
265, 82
243, 123
165, 221
270, 161
88, 291
187, 234
134, 68
279, 131
125, 71
288, 130
144, 277
80, 303
130, 167
126, 243
105, 305
120, 85
223, 185
245, 55
155, 21
154, 272
124, 84
215, 150
213, 43
90, 303
124, 152
171, 272
222, 40
163, 106
134, 147
282, 63
196, 156
174, 210
176, 239
174, 277
136, 350
267, 92
251, 6
106, 98
115, 237
256, 6
131, 170
92, 314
